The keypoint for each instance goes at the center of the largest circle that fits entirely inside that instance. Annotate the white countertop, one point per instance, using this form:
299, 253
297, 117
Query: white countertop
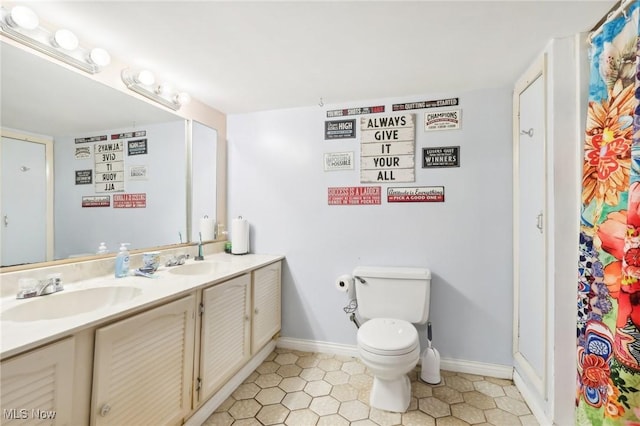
17, 337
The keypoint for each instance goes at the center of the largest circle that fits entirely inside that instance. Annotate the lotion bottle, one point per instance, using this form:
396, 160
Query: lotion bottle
122, 261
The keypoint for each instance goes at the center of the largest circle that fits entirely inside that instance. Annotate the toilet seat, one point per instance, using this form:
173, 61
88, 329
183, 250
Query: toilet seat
388, 337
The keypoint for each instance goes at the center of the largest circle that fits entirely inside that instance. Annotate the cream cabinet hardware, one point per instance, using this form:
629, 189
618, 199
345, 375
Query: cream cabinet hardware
105, 410
539, 222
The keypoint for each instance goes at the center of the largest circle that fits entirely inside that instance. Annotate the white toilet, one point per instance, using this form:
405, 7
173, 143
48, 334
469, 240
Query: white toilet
390, 299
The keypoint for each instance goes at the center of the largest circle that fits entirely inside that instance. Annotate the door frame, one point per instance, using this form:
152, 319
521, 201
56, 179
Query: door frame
536, 70
48, 145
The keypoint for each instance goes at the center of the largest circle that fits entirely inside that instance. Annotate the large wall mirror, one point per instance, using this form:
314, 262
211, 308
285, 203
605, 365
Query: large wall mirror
117, 169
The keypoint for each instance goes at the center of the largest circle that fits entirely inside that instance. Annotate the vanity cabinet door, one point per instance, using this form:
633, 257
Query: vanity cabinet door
143, 367
37, 387
225, 333
266, 305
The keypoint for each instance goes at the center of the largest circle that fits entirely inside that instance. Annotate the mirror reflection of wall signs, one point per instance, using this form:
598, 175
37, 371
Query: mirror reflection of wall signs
109, 158
442, 120
137, 147
128, 135
91, 139
83, 152
84, 177
129, 201
138, 173
387, 148
96, 201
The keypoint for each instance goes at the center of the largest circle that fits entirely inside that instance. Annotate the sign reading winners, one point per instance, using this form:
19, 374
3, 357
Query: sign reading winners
387, 149
109, 159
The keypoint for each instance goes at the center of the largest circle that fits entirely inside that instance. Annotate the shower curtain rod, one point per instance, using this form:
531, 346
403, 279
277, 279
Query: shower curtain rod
618, 9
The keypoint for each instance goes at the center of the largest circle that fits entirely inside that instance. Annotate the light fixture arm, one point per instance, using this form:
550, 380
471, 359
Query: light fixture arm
129, 78
39, 38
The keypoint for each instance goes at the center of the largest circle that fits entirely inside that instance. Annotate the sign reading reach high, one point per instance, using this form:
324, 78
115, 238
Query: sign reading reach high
387, 149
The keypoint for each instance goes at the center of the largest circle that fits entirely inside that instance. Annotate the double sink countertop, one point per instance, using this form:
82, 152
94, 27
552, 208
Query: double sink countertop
29, 323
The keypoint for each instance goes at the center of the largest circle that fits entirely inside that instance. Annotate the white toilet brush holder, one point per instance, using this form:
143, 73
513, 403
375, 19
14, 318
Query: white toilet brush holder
430, 362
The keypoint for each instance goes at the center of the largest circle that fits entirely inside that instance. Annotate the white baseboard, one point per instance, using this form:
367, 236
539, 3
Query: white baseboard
459, 366
317, 346
203, 413
531, 400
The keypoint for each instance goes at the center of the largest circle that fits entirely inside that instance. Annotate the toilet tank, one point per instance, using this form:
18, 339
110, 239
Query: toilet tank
393, 292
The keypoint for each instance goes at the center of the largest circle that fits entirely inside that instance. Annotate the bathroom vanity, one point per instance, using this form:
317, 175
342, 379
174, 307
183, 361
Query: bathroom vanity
152, 353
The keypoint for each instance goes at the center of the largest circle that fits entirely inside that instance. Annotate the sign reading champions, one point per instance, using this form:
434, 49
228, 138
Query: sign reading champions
387, 149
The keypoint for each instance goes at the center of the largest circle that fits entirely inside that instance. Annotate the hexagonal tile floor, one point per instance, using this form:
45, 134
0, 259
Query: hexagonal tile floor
307, 389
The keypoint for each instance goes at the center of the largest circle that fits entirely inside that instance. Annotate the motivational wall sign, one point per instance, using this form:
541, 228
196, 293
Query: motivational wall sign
340, 129
355, 111
441, 156
426, 104
354, 195
338, 161
442, 120
418, 194
109, 160
387, 149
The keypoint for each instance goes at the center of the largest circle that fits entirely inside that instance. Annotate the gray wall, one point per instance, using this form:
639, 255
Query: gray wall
277, 182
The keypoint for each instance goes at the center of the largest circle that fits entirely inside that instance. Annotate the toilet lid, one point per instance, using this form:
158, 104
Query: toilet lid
387, 336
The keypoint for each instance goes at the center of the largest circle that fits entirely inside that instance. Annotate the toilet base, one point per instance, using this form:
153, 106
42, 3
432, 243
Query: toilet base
391, 395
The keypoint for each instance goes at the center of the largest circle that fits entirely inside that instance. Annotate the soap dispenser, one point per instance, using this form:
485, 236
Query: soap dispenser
102, 249
122, 261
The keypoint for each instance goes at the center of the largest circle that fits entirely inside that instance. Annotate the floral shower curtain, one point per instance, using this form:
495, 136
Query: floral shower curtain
608, 327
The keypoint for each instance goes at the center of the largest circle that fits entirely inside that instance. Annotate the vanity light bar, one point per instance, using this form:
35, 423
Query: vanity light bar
21, 24
142, 82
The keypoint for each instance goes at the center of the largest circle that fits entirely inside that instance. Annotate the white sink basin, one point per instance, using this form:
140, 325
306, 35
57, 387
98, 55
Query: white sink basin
196, 269
69, 303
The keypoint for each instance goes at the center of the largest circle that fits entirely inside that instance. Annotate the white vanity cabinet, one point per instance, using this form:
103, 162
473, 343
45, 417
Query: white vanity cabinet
37, 387
238, 318
266, 310
143, 367
225, 333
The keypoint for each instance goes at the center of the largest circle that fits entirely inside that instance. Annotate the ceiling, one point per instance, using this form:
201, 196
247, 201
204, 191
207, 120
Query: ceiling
240, 56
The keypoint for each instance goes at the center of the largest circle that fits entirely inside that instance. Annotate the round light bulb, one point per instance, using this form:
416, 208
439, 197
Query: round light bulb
99, 57
164, 89
145, 77
23, 17
183, 98
65, 39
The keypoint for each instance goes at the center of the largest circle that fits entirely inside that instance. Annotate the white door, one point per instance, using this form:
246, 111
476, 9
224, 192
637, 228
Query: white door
23, 202
530, 292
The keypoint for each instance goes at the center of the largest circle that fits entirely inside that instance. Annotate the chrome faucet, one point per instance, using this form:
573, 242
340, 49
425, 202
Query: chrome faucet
42, 288
48, 286
176, 260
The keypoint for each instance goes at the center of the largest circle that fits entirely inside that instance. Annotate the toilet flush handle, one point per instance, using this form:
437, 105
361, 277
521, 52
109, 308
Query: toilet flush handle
362, 281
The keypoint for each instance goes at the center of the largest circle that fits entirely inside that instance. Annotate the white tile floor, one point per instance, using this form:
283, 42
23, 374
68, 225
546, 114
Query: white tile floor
307, 389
